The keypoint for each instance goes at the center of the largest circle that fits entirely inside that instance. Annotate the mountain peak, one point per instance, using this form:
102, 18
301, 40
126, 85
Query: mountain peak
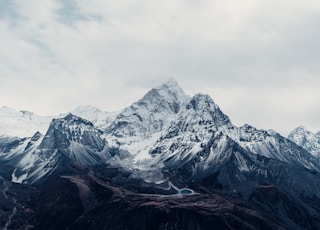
70, 117
171, 83
202, 102
152, 113
71, 128
300, 133
169, 90
201, 106
73, 119
306, 139
300, 129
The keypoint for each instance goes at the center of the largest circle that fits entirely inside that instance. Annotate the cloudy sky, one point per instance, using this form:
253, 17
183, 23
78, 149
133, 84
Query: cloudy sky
258, 59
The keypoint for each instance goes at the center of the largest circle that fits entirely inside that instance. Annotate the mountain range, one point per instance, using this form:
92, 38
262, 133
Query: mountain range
168, 161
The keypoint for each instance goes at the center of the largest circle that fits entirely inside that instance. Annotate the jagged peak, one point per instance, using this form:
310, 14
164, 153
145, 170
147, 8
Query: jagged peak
168, 95
201, 101
37, 134
202, 107
272, 132
70, 128
170, 91
202, 96
300, 130
36, 137
71, 118
247, 126
171, 84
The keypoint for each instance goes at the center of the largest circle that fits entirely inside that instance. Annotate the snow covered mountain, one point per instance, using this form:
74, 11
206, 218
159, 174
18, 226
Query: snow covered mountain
21, 124
136, 126
24, 123
306, 139
272, 145
99, 118
152, 131
164, 143
198, 122
150, 114
163, 127
201, 142
68, 140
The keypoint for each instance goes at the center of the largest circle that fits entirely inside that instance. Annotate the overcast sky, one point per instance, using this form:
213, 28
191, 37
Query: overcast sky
258, 59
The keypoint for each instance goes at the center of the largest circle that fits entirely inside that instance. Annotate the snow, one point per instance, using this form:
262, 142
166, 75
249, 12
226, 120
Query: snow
16, 151
196, 148
141, 149
306, 139
138, 127
21, 124
165, 119
242, 163
24, 123
19, 179
99, 118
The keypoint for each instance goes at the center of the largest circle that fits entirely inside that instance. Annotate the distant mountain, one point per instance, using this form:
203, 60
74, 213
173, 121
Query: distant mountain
25, 124
306, 139
170, 160
99, 118
272, 145
68, 140
21, 124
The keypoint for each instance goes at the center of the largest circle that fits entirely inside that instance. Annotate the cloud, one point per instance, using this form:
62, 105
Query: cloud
80, 52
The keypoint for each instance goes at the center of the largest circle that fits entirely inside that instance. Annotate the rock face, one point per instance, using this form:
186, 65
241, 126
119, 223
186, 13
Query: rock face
150, 114
68, 140
74, 137
307, 140
168, 161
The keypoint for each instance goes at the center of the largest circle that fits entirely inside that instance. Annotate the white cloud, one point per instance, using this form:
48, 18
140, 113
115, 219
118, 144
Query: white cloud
91, 52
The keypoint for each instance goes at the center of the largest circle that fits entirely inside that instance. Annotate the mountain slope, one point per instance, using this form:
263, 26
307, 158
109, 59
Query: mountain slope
306, 139
169, 160
198, 121
151, 113
99, 118
136, 126
68, 140
275, 146
21, 124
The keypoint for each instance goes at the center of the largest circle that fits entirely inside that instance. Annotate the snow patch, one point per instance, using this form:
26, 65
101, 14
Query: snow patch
18, 179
